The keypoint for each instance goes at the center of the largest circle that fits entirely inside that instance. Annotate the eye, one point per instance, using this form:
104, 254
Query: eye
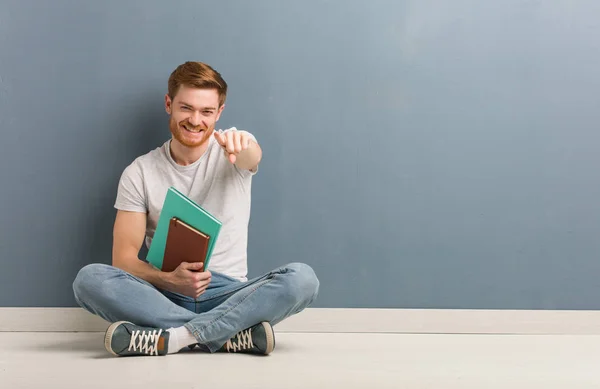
208, 112
185, 108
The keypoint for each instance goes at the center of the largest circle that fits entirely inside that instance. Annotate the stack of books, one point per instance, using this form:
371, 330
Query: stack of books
185, 233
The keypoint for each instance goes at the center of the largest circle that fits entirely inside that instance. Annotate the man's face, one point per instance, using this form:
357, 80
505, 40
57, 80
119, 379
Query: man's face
194, 113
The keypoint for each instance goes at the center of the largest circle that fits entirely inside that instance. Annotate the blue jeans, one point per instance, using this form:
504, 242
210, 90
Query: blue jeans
225, 308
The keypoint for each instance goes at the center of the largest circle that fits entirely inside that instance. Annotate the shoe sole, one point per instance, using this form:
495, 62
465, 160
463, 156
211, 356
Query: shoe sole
108, 336
270, 337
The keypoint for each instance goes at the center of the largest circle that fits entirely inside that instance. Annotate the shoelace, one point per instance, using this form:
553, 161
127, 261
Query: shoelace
244, 341
147, 341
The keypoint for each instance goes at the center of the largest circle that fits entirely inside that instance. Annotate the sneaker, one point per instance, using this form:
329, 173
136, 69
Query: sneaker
125, 339
258, 339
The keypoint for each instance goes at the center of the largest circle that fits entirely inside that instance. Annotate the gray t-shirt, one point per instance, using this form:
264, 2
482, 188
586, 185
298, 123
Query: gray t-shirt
213, 182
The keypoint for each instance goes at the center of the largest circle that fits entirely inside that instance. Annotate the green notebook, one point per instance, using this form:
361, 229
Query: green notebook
177, 205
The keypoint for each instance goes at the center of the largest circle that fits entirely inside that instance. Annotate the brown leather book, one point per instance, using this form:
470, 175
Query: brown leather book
184, 244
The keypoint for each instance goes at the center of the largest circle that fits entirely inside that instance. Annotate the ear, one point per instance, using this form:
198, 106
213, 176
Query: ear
168, 104
219, 112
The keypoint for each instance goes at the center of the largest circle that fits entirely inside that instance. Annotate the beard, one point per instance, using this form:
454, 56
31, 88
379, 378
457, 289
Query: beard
187, 138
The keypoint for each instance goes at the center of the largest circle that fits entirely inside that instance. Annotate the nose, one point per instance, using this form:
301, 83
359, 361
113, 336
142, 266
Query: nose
195, 119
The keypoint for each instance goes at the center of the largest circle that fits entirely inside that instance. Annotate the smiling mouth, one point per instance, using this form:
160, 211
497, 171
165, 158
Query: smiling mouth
194, 131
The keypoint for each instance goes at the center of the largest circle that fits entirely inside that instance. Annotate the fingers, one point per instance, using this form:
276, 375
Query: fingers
194, 266
242, 141
231, 142
245, 141
201, 286
204, 276
237, 141
199, 292
220, 138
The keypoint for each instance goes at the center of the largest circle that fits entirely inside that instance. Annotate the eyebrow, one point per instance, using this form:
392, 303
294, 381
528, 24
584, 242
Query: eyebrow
203, 108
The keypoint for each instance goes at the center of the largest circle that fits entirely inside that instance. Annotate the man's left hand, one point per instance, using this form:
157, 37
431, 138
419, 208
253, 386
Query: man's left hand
233, 142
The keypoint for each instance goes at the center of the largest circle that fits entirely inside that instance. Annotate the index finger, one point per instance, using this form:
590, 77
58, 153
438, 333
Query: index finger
219, 137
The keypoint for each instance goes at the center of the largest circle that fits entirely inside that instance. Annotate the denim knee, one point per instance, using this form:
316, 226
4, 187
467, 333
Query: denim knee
302, 283
88, 279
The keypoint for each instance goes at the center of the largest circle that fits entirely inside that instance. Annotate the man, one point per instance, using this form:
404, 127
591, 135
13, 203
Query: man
159, 313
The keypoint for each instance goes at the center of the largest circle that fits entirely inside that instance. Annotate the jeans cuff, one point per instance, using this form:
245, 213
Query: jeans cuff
211, 346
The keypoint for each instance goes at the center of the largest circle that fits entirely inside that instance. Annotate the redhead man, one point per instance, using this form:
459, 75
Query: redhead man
158, 313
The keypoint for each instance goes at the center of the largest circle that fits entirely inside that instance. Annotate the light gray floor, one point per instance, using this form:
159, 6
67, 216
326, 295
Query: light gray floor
366, 361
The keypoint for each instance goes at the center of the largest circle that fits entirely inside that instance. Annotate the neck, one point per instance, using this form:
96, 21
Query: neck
184, 155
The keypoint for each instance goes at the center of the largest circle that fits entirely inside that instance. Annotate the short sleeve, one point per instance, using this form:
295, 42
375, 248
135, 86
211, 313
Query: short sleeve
130, 193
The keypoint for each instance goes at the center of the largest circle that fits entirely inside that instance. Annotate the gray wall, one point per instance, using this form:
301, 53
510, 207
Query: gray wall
430, 154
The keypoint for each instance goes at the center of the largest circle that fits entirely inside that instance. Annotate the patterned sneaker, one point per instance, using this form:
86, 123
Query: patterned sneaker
124, 339
258, 339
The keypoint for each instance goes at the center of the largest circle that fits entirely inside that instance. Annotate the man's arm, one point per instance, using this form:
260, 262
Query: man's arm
128, 236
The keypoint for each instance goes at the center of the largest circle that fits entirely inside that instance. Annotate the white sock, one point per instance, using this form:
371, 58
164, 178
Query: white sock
180, 337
